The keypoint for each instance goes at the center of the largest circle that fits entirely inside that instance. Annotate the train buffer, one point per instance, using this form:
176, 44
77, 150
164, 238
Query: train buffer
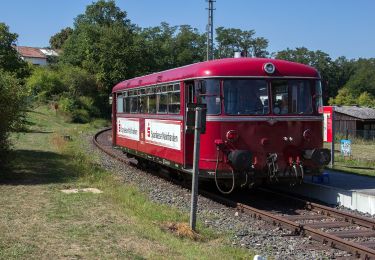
320, 178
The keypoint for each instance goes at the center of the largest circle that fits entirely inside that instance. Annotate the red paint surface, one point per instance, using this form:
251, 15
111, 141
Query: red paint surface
259, 137
328, 114
232, 67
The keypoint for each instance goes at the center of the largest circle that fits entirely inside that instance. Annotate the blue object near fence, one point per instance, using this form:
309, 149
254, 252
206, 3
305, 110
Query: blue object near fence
320, 178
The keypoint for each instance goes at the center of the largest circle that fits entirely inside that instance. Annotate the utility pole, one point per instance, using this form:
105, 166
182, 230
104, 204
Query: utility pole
210, 30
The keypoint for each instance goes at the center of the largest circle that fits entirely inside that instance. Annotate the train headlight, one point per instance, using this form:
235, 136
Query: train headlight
269, 68
232, 135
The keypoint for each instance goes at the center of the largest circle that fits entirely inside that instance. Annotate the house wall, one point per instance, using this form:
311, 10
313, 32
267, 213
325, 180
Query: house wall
344, 123
354, 126
36, 61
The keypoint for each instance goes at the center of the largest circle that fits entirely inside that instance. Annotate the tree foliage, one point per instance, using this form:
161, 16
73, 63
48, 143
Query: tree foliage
359, 88
72, 87
102, 44
12, 99
9, 59
363, 77
165, 47
317, 59
105, 44
12, 96
57, 40
230, 40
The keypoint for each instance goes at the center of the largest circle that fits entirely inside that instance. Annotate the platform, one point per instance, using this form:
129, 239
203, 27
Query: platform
349, 190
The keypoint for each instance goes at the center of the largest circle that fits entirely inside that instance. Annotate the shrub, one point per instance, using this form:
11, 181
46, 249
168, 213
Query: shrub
80, 116
44, 83
12, 97
73, 88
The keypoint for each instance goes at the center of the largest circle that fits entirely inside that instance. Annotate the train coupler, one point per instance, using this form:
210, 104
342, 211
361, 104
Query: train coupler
297, 171
273, 168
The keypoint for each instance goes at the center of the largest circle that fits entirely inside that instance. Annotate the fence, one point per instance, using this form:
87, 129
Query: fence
356, 135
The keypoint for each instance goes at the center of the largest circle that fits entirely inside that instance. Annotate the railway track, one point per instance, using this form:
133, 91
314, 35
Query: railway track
333, 228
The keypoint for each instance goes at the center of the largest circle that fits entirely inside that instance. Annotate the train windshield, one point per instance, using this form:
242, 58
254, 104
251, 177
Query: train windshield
245, 97
291, 97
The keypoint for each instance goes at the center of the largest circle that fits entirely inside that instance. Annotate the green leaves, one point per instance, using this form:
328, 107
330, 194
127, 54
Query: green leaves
12, 94
230, 40
9, 59
12, 109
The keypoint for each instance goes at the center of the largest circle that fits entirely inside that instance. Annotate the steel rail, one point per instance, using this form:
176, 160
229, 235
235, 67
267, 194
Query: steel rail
331, 212
358, 251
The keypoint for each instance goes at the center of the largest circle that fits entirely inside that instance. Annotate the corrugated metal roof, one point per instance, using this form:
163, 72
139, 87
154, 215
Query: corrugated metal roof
30, 52
364, 113
49, 52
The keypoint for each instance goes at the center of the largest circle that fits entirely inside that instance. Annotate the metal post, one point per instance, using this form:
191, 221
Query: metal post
333, 139
194, 183
210, 30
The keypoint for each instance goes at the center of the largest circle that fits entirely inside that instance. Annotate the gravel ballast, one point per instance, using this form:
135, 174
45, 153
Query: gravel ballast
256, 235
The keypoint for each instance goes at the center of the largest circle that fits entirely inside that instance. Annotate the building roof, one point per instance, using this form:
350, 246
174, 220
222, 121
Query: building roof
49, 52
30, 52
364, 113
230, 67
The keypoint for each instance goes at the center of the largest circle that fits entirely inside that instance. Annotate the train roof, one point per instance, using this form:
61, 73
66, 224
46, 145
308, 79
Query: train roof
230, 67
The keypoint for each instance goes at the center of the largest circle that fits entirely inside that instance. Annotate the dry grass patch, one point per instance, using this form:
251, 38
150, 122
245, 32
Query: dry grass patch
182, 230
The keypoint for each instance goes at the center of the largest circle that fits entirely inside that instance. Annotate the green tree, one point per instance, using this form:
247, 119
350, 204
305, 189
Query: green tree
317, 59
363, 77
230, 40
190, 46
102, 43
12, 100
344, 97
159, 47
12, 95
44, 84
57, 40
366, 100
9, 58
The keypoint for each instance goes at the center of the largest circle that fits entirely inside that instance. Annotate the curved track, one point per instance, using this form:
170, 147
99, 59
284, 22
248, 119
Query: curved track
334, 228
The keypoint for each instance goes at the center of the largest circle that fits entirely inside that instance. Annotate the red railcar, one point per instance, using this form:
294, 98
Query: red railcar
263, 120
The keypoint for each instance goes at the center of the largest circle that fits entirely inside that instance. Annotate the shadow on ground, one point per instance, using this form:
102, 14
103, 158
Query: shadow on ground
31, 167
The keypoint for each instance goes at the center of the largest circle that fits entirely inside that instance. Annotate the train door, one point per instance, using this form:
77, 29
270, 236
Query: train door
189, 137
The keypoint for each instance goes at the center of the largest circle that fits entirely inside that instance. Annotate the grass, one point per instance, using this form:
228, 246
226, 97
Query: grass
38, 221
362, 161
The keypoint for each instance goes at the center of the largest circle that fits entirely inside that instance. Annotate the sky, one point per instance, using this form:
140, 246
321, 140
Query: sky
337, 27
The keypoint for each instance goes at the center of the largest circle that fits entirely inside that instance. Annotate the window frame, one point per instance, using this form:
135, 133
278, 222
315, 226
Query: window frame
267, 86
155, 92
310, 82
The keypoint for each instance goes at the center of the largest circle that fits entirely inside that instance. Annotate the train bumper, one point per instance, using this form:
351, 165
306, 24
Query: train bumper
320, 157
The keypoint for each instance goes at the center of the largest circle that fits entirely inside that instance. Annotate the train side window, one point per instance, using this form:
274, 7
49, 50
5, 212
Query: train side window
151, 101
210, 95
143, 101
301, 97
133, 101
127, 102
280, 97
120, 103
162, 100
174, 100
245, 97
318, 96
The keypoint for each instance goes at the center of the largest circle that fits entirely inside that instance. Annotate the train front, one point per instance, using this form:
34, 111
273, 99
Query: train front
264, 128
